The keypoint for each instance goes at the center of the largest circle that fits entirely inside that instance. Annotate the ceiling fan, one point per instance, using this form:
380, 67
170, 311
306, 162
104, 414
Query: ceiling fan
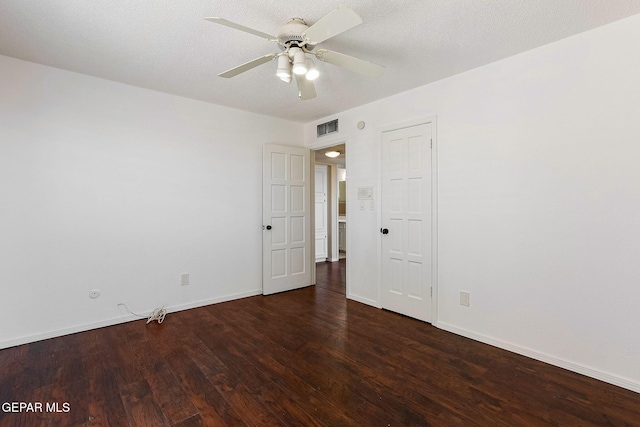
297, 41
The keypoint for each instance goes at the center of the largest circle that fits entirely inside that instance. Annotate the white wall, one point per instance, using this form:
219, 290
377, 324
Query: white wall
539, 200
362, 224
122, 189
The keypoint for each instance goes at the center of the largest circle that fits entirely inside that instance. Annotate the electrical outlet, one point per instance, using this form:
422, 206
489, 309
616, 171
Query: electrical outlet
184, 279
464, 298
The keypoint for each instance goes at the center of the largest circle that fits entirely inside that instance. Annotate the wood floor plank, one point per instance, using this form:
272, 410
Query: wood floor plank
140, 405
163, 382
211, 405
194, 421
106, 412
234, 390
303, 404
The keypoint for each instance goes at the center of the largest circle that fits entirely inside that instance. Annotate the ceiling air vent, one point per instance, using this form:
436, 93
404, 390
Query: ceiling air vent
327, 128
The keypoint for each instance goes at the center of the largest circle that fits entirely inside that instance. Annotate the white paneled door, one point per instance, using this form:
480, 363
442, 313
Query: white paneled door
286, 242
321, 217
406, 221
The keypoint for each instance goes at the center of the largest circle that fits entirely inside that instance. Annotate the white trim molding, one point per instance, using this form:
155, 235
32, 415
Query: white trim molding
542, 357
120, 319
363, 300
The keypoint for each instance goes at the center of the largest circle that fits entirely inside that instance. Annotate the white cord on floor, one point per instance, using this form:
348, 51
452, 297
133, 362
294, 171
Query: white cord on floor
158, 314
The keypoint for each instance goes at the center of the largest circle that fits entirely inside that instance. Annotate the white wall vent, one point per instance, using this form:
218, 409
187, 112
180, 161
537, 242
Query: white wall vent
327, 128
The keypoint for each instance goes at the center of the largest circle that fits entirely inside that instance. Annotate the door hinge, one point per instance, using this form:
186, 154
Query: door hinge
431, 292
431, 144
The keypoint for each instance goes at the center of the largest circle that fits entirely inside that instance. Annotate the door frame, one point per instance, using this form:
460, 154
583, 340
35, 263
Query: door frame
434, 205
315, 147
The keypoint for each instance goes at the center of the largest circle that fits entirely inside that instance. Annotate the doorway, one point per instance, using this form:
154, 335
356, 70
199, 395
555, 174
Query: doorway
330, 220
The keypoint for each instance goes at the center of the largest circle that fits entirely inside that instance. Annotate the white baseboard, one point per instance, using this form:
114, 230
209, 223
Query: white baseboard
366, 301
65, 331
574, 367
217, 300
120, 319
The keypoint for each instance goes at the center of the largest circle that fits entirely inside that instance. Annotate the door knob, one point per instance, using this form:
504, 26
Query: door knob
268, 227
384, 230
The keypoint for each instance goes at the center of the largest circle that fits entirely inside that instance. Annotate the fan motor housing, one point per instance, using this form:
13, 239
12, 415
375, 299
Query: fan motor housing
290, 34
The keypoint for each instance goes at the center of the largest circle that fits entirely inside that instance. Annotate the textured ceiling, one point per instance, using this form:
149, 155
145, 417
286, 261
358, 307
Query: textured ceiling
166, 45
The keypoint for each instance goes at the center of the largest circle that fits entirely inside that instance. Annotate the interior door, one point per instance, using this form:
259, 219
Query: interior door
406, 221
321, 213
286, 218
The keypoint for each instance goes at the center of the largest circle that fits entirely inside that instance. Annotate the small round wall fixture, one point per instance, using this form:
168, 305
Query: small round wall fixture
360, 125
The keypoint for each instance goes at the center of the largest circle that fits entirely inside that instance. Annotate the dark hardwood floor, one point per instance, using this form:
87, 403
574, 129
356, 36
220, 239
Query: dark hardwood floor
332, 276
303, 358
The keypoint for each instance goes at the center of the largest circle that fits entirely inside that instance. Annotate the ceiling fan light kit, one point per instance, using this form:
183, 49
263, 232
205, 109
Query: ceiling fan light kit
299, 61
284, 68
298, 40
312, 71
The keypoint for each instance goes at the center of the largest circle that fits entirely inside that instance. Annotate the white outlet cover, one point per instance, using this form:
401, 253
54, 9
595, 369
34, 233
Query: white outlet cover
94, 293
184, 279
464, 298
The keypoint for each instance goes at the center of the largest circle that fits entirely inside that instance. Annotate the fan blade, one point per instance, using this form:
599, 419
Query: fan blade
350, 63
306, 89
249, 65
336, 22
230, 24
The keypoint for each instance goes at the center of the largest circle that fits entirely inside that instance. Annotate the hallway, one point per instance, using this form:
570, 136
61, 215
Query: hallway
332, 276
